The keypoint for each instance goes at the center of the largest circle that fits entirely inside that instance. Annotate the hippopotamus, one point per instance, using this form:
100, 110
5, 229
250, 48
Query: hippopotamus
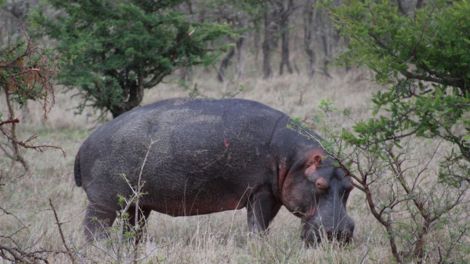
201, 156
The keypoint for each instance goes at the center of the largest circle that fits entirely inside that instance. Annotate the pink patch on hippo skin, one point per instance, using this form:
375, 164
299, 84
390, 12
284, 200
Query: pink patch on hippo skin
310, 170
226, 143
311, 212
314, 160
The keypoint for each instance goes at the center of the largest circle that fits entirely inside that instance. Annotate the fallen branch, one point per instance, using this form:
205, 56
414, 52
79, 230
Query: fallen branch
16, 255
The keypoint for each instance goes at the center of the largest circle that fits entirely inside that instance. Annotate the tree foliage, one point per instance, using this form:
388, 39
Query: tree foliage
113, 50
423, 58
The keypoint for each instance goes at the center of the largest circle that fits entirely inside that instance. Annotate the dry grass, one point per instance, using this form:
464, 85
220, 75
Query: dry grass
216, 238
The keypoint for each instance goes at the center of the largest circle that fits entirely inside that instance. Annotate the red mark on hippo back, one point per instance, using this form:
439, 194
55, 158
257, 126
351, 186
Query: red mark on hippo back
226, 143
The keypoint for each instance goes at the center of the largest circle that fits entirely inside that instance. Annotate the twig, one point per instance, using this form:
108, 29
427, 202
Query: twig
5, 211
11, 121
59, 224
25, 143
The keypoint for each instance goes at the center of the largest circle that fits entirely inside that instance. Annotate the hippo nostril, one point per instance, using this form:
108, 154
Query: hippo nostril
321, 183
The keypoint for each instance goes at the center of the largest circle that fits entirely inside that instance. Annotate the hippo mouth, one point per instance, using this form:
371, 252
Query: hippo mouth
341, 238
313, 233
313, 238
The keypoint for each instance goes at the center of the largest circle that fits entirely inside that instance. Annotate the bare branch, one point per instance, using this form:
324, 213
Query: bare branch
11, 121
59, 227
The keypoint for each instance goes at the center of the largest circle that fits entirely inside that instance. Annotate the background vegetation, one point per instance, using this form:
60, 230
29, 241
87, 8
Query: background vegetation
400, 123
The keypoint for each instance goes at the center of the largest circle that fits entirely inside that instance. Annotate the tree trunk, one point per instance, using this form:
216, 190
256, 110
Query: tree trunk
15, 155
419, 4
257, 41
267, 43
285, 12
326, 58
240, 57
189, 5
186, 73
324, 36
401, 8
224, 64
308, 25
226, 61
133, 99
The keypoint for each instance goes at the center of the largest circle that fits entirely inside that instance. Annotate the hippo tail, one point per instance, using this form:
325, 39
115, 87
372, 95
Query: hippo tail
76, 170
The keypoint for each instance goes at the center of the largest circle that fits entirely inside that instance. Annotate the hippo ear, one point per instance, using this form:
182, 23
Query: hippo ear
313, 163
316, 159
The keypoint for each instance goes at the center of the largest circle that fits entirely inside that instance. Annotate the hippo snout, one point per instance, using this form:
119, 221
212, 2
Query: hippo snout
316, 229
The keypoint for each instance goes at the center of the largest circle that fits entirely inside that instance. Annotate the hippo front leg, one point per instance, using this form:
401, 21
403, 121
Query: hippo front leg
262, 207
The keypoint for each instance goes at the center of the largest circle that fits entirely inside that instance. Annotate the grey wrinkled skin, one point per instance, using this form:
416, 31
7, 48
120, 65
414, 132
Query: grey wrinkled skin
209, 156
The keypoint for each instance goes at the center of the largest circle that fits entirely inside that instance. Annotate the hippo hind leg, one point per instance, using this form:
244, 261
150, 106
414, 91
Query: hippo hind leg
97, 220
262, 207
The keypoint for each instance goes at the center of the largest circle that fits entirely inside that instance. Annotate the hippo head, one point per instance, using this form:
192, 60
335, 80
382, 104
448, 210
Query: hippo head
317, 191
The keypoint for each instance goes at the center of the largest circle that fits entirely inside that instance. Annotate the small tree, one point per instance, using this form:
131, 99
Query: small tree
113, 50
422, 58
25, 74
424, 218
